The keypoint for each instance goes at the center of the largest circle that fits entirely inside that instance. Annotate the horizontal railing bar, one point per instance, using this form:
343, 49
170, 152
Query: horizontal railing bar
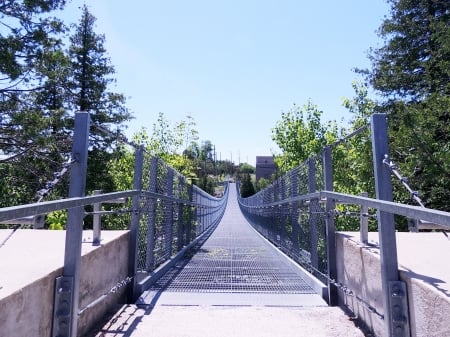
303, 197
28, 220
154, 195
22, 211
441, 218
416, 212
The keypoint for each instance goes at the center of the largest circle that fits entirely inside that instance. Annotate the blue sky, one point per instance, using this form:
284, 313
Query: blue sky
235, 65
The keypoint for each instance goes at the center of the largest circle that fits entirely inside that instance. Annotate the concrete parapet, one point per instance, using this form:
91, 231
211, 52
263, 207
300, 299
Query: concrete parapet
424, 268
30, 262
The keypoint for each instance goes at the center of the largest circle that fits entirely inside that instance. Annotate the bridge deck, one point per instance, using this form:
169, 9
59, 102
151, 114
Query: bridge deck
236, 284
235, 265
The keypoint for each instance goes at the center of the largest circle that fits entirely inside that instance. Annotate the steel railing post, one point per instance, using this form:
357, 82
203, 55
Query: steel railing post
180, 241
327, 161
364, 222
294, 215
394, 295
96, 221
67, 286
134, 225
169, 218
313, 208
153, 179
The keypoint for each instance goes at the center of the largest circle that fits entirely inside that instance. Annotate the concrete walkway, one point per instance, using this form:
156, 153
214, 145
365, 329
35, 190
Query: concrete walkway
223, 321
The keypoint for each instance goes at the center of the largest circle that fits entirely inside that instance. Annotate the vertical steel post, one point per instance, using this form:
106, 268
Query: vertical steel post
327, 161
149, 257
67, 287
169, 217
395, 313
181, 184
191, 214
364, 222
283, 217
134, 226
294, 215
96, 226
313, 208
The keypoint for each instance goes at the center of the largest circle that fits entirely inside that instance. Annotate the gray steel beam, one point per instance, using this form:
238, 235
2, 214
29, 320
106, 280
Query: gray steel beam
386, 226
330, 226
313, 208
134, 226
22, 211
153, 179
67, 295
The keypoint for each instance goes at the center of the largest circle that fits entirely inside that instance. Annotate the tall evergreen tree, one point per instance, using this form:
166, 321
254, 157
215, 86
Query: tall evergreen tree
247, 188
412, 73
25, 35
29, 38
91, 77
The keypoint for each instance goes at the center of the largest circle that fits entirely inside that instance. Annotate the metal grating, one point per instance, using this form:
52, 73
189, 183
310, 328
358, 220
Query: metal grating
234, 259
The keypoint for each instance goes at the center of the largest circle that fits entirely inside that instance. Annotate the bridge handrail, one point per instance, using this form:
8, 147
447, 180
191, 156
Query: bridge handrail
15, 212
410, 211
306, 231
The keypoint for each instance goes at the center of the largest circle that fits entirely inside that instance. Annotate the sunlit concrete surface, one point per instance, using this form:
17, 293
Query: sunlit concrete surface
424, 267
31, 260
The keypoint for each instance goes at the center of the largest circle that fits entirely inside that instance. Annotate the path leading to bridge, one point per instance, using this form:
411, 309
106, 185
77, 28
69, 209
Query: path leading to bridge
236, 284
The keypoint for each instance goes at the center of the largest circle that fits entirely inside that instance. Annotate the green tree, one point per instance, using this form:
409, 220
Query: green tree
30, 49
300, 134
246, 168
262, 183
89, 81
247, 188
353, 162
27, 32
411, 72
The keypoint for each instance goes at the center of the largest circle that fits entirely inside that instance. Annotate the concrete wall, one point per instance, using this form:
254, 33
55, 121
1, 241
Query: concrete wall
428, 296
27, 297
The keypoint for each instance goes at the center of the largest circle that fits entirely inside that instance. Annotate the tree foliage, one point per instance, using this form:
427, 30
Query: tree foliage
26, 35
412, 73
300, 133
90, 79
247, 189
41, 85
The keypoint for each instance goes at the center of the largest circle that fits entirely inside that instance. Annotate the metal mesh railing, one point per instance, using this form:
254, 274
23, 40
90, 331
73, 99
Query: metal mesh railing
299, 213
289, 213
173, 213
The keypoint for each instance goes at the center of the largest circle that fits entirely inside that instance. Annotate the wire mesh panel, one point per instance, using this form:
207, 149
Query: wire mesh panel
233, 259
295, 225
173, 213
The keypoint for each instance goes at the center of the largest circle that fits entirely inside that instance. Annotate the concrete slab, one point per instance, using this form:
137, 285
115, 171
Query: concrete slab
423, 256
32, 254
424, 267
194, 321
157, 298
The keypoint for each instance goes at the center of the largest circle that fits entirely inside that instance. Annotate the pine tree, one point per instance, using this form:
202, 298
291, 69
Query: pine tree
91, 76
29, 38
26, 34
412, 73
247, 188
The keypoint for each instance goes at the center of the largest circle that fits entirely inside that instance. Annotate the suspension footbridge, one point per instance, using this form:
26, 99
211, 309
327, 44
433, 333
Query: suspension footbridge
190, 263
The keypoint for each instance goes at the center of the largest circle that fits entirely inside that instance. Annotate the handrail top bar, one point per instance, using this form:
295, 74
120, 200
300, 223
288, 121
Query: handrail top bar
164, 197
21, 211
410, 211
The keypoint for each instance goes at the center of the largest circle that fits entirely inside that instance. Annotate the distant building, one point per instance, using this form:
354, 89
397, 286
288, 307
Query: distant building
265, 167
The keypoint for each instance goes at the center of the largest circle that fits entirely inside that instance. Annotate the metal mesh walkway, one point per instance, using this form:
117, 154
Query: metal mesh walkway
233, 259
